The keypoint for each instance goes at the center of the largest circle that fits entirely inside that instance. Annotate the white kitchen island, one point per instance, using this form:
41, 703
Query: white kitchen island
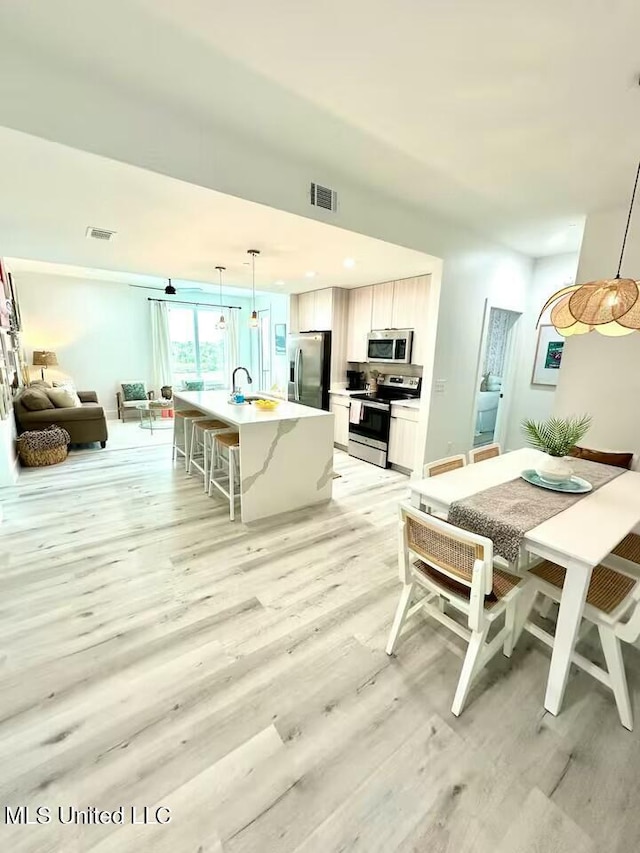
286, 455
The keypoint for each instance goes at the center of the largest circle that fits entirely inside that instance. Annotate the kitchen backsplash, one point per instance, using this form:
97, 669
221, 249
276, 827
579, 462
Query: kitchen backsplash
387, 369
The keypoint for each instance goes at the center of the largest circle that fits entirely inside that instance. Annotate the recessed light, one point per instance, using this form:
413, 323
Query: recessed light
278, 283
309, 274
349, 263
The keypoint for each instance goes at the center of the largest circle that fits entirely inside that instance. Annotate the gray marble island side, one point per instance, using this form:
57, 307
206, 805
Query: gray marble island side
286, 455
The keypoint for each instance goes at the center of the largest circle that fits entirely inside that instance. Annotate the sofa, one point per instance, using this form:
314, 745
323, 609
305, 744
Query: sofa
86, 423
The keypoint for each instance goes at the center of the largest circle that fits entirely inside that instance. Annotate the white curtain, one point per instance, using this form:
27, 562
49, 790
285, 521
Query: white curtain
232, 349
160, 344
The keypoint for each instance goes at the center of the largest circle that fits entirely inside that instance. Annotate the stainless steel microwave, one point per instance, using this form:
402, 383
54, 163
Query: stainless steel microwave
390, 345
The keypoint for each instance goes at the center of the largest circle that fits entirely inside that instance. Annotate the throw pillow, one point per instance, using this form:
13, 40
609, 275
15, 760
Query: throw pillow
35, 400
63, 398
70, 388
133, 391
618, 460
194, 385
39, 383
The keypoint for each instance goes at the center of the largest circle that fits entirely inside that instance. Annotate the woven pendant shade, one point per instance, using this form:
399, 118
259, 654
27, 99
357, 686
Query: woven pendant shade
561, 316
631, 320
564, 321
576, 329
611, 306
603, 301
614, 330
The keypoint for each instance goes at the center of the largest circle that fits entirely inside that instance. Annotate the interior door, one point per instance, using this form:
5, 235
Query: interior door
264, 349
495, 377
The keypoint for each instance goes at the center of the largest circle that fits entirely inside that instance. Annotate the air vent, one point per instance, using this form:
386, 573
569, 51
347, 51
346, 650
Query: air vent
99, 233
324, 197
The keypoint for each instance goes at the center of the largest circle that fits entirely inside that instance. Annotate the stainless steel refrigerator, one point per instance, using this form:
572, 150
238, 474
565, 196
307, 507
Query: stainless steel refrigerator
309, 356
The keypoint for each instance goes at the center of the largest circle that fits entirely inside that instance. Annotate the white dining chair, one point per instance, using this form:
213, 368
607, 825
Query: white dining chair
612, 606
455, 568
487, 451
441, 466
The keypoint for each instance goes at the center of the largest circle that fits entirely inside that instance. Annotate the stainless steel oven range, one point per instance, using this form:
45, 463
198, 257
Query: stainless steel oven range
370, 417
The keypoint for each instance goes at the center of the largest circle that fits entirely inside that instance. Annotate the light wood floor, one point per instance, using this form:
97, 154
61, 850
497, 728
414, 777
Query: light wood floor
153, 653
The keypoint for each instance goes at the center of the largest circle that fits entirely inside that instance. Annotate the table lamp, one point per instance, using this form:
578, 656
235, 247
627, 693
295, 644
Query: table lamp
44, 359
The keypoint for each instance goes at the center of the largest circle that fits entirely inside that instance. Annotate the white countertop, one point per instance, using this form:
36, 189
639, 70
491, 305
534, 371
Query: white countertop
406, 404
216, 404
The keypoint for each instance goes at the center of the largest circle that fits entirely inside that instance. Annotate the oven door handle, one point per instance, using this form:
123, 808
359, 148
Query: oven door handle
382, 406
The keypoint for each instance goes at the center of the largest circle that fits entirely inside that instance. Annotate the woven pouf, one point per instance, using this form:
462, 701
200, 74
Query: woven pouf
43, 446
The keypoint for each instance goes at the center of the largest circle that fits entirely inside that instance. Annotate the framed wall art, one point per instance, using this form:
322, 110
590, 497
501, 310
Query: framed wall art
549, 349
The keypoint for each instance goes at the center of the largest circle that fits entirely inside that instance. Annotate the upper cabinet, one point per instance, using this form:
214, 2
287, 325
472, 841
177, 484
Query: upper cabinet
390, 305
323, 309
359, 322
314, 310
382, 308
351, 314
410, 302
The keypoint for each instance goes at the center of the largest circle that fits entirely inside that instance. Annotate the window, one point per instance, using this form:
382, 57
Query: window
198, 350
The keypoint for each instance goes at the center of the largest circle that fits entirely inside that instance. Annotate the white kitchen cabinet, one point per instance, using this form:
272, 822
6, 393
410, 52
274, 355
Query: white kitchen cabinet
359, 322
315, 310
410, 302
403, 434
382, 308
340, 407
323, 310
306, 311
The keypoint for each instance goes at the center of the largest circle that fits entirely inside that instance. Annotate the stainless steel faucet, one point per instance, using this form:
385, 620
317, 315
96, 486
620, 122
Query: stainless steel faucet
233, 378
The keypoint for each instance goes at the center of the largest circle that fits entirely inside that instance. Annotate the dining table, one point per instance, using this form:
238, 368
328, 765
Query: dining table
578, 538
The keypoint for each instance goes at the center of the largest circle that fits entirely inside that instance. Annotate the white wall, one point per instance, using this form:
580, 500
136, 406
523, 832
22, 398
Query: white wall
100, 331
535, 401
601, 375
241, 164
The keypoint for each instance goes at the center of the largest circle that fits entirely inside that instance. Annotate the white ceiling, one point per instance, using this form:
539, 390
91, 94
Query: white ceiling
168, 228
515, 118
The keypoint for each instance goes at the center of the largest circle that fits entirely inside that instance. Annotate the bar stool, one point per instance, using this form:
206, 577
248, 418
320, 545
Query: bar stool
185, 418
202, 432
230, 441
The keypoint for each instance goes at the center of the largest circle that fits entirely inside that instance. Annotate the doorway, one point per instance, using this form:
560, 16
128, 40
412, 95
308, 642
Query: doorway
495, 375
264, 349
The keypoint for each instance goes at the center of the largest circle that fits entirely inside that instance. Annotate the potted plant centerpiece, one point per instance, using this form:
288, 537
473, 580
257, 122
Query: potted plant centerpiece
555, 437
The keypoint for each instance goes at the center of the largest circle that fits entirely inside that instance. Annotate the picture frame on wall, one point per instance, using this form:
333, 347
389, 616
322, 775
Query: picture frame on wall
280, 338
6, 308
548, 358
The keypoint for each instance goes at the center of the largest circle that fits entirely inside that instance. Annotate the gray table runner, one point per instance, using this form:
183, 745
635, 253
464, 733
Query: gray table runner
506, 512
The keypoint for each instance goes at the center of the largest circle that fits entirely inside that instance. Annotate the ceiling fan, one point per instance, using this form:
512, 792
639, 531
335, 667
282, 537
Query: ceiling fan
169, 289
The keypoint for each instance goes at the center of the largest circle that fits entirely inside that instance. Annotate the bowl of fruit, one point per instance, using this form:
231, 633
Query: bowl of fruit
266, 405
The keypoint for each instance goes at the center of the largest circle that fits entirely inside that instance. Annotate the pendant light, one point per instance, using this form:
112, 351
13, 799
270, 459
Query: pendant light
169, 289
610, 306
253, 320
222, 323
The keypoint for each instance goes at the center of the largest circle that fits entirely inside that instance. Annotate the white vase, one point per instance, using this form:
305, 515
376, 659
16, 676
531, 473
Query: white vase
554, 469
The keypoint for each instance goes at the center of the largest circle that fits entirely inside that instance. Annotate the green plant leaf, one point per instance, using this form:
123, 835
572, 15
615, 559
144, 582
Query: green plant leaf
556, 436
